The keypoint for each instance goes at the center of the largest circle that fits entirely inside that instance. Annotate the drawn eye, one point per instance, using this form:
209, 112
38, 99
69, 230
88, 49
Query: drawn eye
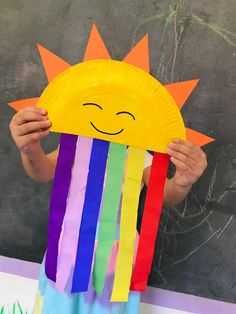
126, 112
92, 104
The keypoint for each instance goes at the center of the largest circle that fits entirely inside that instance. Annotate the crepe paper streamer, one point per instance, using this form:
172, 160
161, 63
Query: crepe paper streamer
129, 211
91, 207
72, 219
58, 200
109, 213
150, 222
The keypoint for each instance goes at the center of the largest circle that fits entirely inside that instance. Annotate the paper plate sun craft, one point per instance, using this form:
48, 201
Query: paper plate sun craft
100, 107
113, 101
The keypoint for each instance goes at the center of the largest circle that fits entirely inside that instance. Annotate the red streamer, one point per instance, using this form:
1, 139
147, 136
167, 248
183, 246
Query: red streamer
150, 222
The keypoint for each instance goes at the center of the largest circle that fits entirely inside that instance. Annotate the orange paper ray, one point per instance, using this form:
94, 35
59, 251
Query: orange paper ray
139, 55
181, 91
20, 104
198, 138
53, 65
96, 48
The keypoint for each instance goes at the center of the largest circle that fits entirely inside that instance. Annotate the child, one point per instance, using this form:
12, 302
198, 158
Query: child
28, 127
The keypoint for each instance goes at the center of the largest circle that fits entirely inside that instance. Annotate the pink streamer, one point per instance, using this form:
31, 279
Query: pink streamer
72, 219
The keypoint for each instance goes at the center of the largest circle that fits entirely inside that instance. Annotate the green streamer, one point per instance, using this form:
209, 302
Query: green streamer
110, 208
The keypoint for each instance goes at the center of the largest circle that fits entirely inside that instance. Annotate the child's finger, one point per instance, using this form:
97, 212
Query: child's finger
33, 137
191, 163
180, 165
32, 127
183, 149
28, 116
35, 109
189, 144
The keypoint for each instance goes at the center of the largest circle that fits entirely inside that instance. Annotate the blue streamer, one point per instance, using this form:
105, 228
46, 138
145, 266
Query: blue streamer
93, 195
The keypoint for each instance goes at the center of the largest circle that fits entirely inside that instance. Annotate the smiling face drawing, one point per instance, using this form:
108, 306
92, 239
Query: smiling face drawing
118, 113
113, 118
113, 101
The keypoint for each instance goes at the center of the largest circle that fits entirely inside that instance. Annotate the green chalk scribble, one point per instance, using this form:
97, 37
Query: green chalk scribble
223, 33
181, 24
16, 308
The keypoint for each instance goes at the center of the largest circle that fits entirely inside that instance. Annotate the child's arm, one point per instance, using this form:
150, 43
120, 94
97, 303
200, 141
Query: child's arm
190, 162
28, 127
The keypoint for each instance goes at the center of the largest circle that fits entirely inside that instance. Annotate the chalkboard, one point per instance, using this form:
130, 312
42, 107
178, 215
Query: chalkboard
196, 245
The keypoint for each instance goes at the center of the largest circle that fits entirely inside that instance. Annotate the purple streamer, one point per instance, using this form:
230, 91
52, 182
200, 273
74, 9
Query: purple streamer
58, 200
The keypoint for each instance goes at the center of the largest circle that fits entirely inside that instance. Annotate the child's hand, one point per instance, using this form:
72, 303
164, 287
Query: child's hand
190, 162
27, 127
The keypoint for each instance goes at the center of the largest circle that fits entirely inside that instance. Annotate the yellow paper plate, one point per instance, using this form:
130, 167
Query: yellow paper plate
113, 101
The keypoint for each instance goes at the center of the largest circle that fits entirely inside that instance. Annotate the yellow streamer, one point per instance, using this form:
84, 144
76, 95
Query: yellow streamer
38, 306
129, 210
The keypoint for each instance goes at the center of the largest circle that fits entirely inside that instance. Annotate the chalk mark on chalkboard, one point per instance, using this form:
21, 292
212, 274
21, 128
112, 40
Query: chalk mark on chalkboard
225, 226
191, 253
174, 223
179, 27
173, 219
223, 33
176, 43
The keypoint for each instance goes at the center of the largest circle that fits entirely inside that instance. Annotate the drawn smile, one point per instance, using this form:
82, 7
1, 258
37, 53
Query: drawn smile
116, 133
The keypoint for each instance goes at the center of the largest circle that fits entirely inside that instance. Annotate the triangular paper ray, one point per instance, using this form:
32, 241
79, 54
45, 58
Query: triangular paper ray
53, 65
96, 48
139, 55
198, 138
20, 104
181, 91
